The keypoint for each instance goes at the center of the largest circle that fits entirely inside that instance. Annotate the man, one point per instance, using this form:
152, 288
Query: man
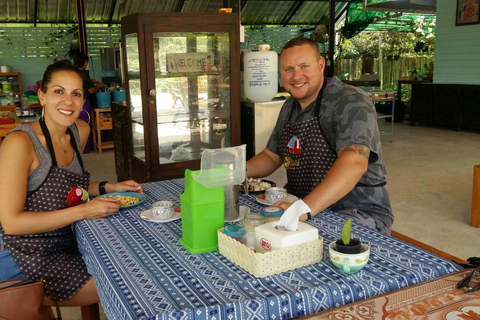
327, 138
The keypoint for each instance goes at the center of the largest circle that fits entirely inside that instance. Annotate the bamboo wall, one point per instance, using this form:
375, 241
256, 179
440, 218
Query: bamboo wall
392, 69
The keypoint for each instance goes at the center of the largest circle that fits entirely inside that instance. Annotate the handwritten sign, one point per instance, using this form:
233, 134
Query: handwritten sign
189, 62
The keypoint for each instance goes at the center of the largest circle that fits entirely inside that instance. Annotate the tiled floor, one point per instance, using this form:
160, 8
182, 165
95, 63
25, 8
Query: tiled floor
430, 173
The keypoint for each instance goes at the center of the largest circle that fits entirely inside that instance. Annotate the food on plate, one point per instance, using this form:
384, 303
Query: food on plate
257, 185
126, 200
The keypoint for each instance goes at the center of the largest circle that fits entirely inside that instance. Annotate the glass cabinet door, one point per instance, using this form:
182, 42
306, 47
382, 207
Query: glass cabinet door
192, 84
136, 110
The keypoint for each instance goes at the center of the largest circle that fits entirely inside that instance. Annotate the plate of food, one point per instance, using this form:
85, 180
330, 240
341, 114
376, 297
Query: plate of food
289, 198
257, 185
127, 199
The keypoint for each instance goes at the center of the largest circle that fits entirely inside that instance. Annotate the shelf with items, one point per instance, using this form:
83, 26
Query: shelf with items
381, 96
102, 120
15, 78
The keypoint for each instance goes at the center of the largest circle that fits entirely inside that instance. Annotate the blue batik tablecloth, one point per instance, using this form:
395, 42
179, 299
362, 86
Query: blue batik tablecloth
141, 271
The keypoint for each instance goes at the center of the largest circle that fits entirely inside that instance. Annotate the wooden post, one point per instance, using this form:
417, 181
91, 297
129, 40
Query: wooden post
475, 218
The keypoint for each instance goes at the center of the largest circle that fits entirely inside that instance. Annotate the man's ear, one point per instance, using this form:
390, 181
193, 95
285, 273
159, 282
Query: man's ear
321, 64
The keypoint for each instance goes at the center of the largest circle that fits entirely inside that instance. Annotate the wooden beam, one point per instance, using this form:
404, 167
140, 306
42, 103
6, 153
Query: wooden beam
35, 14
82, 28
180, 6
244, 3
110, 20
293, 10
331, 39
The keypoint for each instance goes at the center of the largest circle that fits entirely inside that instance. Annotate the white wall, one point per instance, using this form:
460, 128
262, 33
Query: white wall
457, 48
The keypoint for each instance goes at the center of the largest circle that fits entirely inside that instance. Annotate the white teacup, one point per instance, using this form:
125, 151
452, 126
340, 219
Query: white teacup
347, 262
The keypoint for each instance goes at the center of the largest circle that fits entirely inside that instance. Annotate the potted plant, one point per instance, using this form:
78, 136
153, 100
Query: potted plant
346, 254
346, 244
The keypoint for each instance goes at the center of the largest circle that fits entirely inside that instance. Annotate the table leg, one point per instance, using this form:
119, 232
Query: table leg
91, 312
475, 217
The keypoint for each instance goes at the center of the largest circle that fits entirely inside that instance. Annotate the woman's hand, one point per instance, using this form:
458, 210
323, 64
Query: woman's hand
100, 207
128, 185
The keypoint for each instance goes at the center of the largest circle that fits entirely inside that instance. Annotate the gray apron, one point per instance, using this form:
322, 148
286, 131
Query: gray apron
52, 255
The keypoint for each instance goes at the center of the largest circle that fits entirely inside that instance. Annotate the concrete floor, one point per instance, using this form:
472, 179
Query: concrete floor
430, 176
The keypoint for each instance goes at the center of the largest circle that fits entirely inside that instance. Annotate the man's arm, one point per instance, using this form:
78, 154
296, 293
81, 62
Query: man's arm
351, 165
263, 164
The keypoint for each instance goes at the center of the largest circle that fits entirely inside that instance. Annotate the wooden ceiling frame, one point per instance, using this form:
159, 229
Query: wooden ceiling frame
112, 11
292, 12
82, 27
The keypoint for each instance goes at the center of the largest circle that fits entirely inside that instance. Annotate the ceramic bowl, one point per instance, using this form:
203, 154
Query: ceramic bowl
162, 210
349, 263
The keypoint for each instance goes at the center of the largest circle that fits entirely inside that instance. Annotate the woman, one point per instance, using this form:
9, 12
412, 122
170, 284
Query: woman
40, 164
80, 60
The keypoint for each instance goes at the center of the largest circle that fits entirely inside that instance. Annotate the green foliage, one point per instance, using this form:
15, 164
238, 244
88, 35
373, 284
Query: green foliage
347, 231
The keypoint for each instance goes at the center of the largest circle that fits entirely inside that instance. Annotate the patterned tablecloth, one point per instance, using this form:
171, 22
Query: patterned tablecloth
141, 271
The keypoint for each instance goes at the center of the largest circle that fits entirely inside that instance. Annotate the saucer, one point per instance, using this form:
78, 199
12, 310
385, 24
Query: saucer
147, 215
261, 199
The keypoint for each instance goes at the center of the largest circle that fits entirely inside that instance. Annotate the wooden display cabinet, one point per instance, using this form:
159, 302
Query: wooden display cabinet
183, 92
16, 79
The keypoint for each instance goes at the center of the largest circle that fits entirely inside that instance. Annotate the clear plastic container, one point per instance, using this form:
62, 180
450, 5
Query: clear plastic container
275, 194
272, 213
222, 167
250, 222
235, 231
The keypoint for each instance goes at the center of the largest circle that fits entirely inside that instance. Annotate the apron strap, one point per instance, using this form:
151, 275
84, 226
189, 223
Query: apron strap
74, 145
48, 139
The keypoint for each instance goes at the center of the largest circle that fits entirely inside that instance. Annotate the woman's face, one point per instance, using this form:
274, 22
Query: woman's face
64, 98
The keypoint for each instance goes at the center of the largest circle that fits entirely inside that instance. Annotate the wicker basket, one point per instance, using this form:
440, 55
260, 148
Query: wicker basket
276, 261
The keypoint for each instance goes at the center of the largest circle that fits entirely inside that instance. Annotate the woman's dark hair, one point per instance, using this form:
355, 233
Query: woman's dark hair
79, 59
301, 41
62, 65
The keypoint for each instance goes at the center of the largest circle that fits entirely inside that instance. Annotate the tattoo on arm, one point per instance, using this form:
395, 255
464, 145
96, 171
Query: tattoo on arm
358, 148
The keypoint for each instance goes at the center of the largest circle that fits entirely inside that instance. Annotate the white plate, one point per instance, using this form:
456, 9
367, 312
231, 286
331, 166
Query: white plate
147, 215
243, 211
261, 199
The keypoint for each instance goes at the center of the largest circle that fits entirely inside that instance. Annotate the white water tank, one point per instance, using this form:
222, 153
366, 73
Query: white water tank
261, 74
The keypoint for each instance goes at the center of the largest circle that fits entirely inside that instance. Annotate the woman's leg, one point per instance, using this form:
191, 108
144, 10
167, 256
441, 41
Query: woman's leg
86, 296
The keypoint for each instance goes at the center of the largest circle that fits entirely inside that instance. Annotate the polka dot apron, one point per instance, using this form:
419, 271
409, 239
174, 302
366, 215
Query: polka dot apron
305, 152
53, 255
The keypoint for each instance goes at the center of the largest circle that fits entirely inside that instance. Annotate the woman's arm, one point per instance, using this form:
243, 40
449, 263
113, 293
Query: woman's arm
97, 86
17, 157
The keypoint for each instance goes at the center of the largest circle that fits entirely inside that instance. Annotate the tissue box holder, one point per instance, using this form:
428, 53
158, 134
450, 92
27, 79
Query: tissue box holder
273, 262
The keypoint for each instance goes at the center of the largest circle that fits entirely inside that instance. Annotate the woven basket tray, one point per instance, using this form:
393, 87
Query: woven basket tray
276, 261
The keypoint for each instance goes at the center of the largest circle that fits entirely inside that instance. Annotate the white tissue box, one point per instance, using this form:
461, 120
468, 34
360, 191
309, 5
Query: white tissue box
268, 238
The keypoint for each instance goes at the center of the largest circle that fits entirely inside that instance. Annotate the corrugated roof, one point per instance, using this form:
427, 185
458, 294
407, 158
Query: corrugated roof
253, 12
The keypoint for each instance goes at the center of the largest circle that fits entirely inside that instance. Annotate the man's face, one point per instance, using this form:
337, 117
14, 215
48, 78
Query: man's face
302, 73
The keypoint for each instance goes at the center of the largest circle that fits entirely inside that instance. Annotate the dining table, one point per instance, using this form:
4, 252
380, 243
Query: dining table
142, 272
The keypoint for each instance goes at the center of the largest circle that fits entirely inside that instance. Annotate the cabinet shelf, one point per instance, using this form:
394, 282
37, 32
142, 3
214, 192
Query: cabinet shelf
101, 124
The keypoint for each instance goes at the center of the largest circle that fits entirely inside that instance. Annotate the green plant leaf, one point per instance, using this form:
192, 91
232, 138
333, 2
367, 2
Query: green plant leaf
347, 231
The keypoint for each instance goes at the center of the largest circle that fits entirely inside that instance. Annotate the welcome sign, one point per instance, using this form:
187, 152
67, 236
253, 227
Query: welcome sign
189, 62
